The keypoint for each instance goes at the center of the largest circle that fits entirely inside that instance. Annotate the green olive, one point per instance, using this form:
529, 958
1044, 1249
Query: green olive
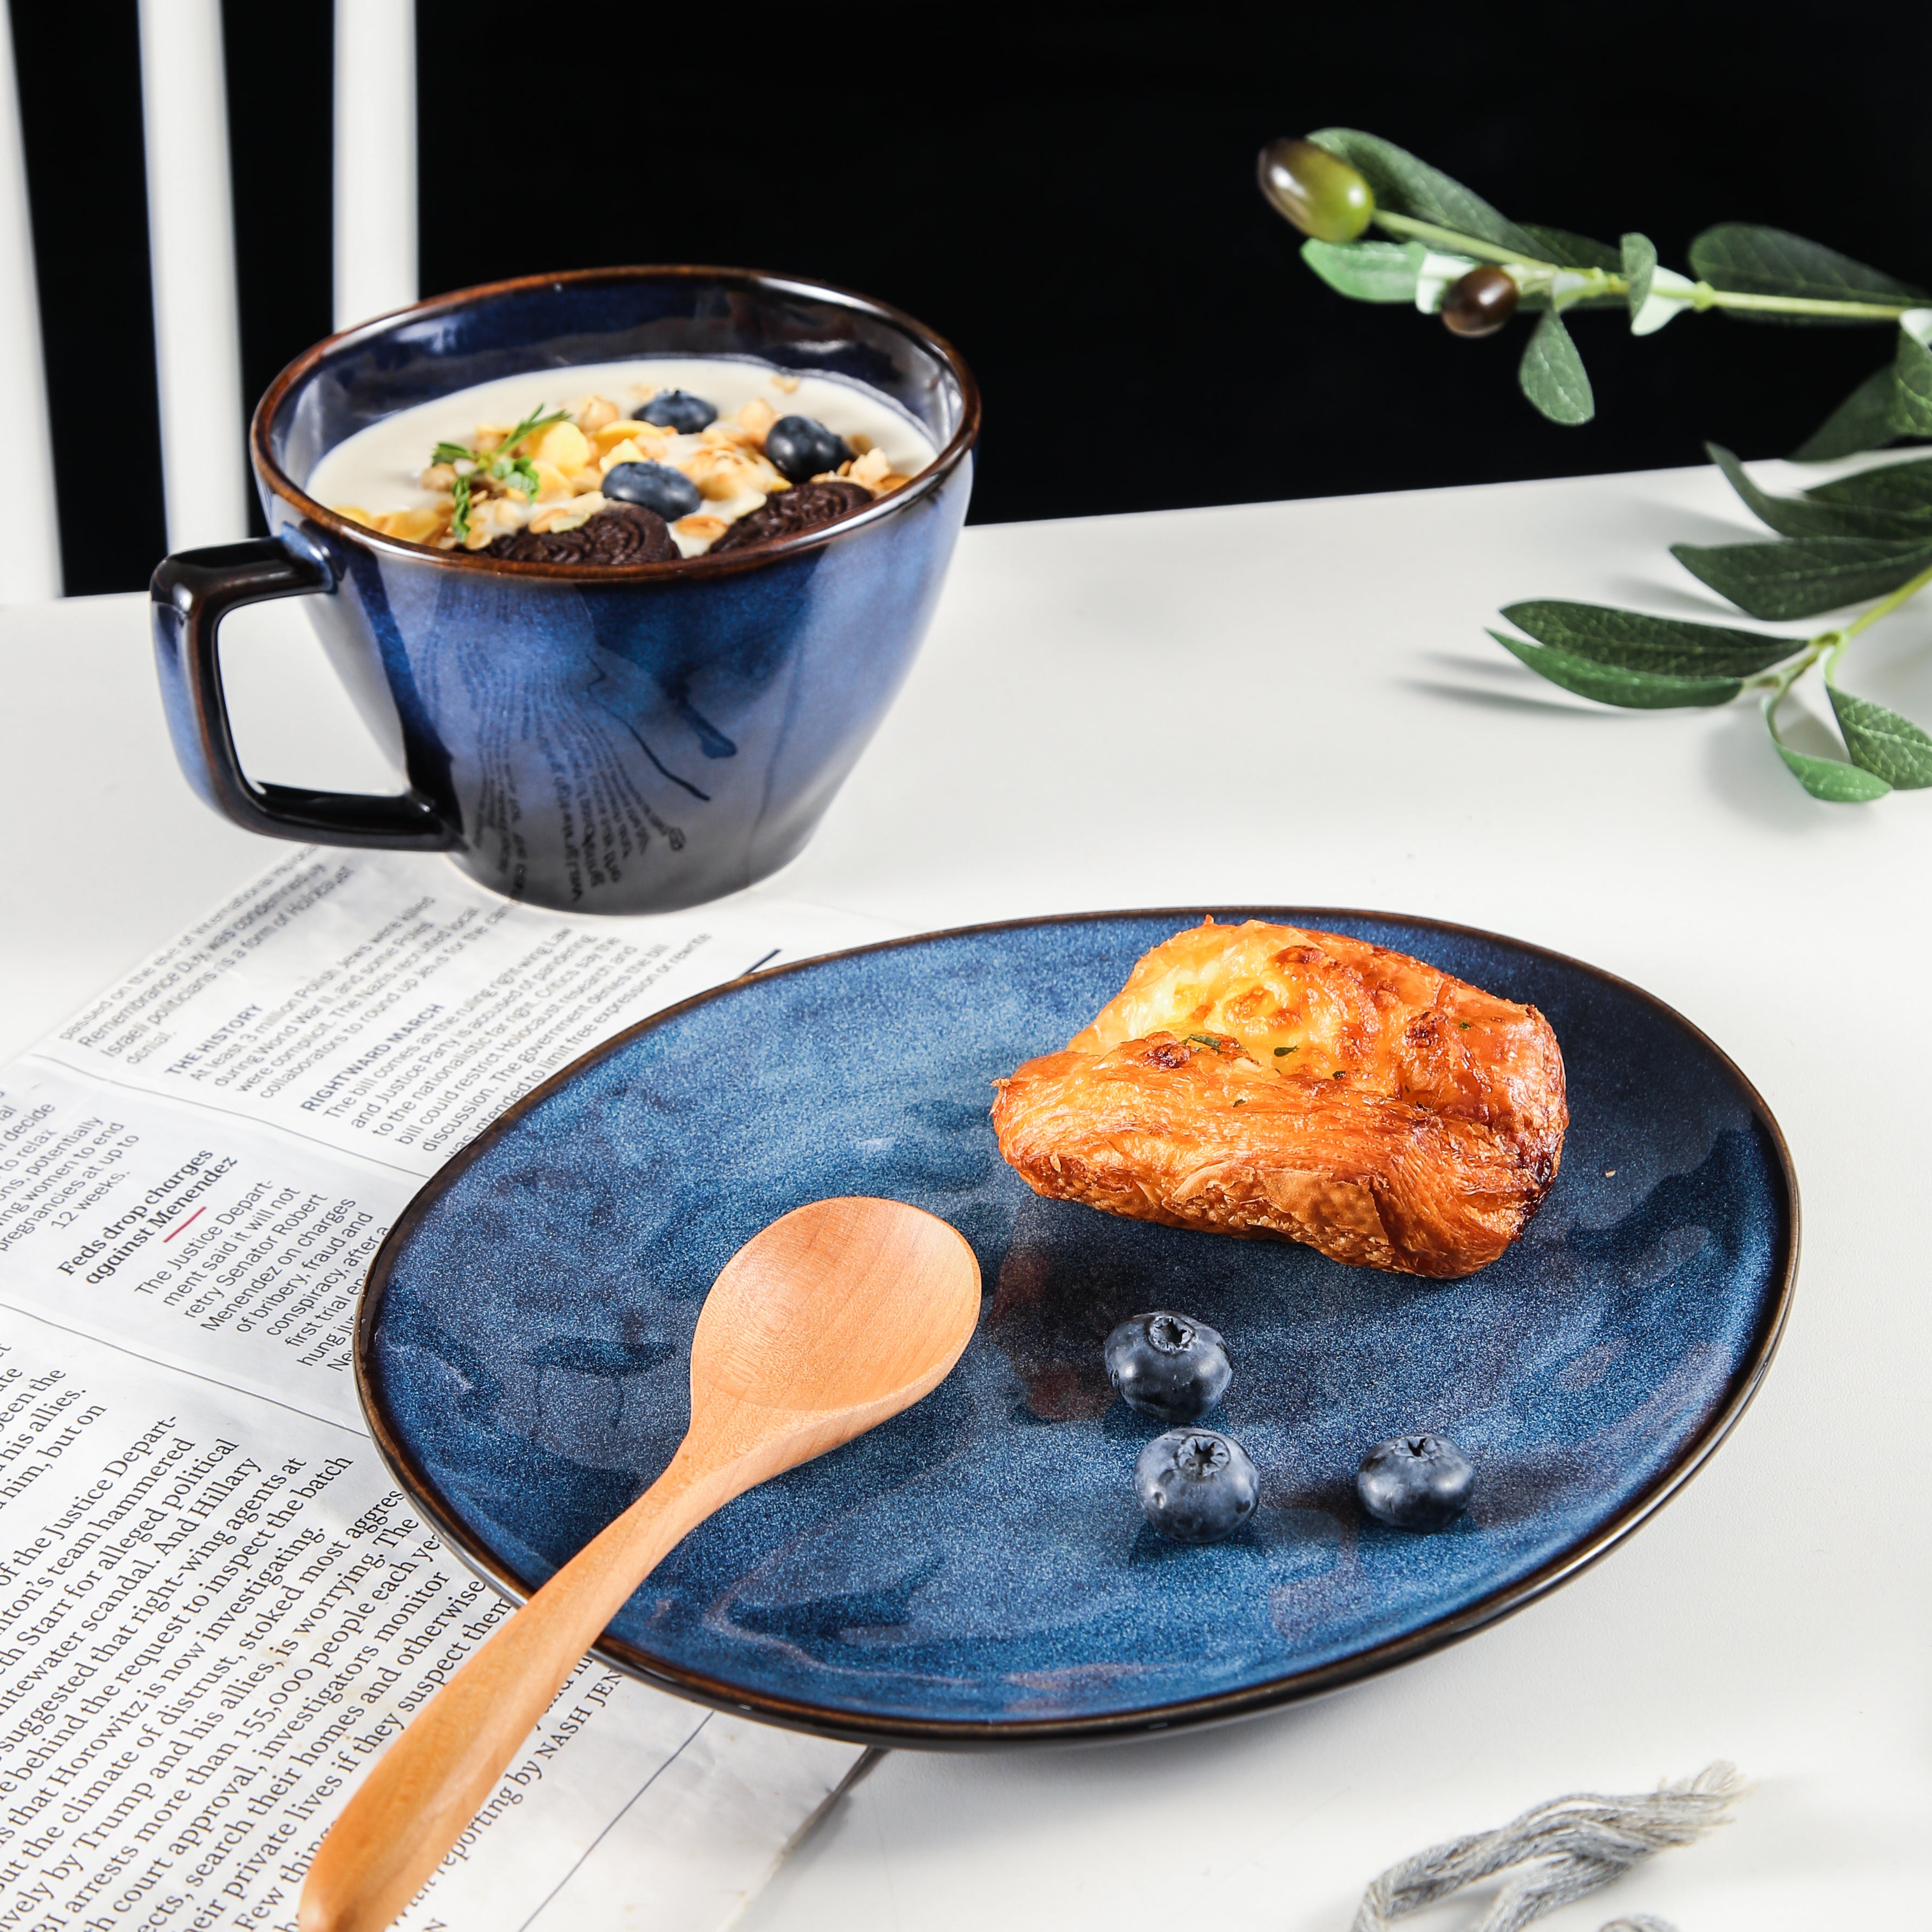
1321, 194
1479, 303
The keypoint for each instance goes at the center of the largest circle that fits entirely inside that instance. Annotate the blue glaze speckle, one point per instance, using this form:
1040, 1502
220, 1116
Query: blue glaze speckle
979, 1565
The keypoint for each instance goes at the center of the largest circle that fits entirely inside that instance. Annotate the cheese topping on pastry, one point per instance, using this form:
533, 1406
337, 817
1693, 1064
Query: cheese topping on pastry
1263, 1080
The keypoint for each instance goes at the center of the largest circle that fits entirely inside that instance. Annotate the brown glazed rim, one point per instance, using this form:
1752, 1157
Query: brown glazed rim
683, 568
1294, 1687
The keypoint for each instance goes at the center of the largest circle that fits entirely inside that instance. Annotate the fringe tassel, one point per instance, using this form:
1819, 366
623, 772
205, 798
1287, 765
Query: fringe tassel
1577, 1843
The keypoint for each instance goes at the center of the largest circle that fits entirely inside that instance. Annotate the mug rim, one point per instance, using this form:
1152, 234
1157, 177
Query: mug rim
681, 569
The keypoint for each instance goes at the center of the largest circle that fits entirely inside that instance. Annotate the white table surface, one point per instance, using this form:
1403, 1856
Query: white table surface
1296, 703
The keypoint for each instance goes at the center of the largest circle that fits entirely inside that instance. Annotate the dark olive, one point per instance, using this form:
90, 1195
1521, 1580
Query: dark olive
1480, 303
1319, 192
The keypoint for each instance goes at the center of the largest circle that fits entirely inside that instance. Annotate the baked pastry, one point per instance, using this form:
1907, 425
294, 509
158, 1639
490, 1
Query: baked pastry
1262, 1080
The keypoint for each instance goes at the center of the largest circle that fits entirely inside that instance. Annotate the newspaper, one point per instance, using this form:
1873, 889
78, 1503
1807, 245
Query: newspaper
215, 1608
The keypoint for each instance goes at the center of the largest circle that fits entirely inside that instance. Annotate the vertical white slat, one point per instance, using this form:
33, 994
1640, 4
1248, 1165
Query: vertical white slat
375, 157
30, 567
191, 241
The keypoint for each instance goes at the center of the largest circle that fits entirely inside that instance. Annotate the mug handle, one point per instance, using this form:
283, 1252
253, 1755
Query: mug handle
192, 591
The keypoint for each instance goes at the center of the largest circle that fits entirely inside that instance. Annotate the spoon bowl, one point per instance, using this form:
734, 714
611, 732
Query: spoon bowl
825, 1324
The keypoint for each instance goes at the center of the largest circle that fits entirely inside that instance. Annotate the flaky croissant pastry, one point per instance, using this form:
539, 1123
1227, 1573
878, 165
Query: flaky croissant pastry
1262, 1080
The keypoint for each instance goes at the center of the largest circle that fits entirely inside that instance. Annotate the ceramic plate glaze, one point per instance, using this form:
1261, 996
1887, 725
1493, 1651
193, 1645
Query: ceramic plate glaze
977, 1570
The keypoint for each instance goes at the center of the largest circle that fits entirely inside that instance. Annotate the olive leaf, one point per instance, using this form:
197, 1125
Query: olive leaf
1900, 486
1742, 256
1803, 517
1803, 575
1634, 690
1911, 413
1666, 646
1551, 373
1638, 261
1572, 251
1404, 185
1836, 782
1863, 421
1374, 272
1883, 741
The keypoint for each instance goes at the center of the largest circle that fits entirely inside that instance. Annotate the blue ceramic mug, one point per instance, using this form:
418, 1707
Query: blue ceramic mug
599, 740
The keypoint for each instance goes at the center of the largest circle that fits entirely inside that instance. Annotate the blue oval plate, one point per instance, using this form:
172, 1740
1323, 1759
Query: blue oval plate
977, 1570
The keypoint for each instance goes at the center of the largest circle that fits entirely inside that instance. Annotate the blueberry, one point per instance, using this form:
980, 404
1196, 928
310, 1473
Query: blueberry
675, 409
1415, 1482
656, 485
800, 449
1196, 1485
1170, 1366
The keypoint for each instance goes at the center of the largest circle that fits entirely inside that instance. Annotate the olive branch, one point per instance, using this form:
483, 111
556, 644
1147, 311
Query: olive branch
1864, 539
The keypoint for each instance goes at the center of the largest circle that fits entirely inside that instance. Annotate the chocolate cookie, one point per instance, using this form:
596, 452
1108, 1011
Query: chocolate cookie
620, 533
805, 508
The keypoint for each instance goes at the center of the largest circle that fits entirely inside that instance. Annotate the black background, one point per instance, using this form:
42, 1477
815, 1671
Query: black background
1067, 193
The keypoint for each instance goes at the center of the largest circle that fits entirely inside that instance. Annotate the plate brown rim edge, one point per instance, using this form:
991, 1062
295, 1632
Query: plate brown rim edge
1295, 1687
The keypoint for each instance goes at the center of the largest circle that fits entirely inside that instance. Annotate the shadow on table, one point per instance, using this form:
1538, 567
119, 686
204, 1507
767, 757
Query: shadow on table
1504, 700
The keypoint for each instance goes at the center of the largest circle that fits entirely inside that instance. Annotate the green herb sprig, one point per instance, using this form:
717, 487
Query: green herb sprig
1861, 539
499, 465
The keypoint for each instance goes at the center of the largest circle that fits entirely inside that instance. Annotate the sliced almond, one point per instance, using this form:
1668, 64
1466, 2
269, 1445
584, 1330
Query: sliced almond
623, 451
568, 516
563, 445
411, 526
552, 484
871, 468
625, 429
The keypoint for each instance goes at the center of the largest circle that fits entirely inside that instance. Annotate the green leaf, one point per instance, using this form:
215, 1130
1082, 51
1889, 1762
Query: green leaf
530, 425
1830, 779
1803, 517
1863, 421
1572, 251
1801, 577
1375, 272
1551, 373
1638, 263
1635, 691
459, 489
1911, 413
1667, 647
1883, 741
1404, 185
1892, 486
1755, 261
454, 452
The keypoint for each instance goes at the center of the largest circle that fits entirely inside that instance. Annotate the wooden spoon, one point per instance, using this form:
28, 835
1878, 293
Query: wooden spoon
836, 1316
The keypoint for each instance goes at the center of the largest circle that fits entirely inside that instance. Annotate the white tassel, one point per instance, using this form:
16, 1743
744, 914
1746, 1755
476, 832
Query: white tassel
1577, 1843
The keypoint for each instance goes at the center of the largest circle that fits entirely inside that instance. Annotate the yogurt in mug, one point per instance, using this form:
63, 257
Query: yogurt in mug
387, 476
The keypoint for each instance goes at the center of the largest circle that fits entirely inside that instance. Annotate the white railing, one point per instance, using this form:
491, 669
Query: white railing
191, 246
30, 566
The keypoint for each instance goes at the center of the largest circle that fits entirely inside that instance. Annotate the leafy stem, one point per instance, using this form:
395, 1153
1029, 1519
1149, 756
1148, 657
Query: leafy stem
1885, 606
1859, 541
1606, 282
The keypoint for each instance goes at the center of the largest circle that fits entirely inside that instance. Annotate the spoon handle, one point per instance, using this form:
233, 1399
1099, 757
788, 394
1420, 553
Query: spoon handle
425, 1789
